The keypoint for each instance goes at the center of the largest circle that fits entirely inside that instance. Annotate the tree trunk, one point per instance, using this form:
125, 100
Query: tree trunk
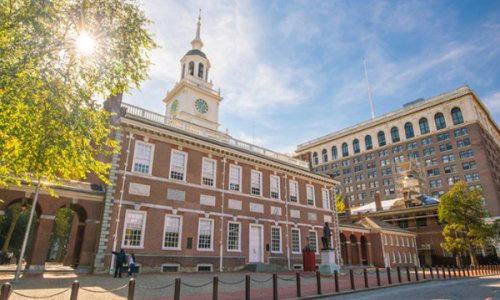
8, 237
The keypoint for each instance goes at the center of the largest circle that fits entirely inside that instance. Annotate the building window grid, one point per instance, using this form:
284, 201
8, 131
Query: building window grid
296, 241
205, 234
424, 126
325, 194
256, 182
409, 133
310, 194
233, 236
178, 165
276, 239
313, 240
208, 172
440, 121
294, 191
275, 187
235, 178
133, 229
172, 232
143, 157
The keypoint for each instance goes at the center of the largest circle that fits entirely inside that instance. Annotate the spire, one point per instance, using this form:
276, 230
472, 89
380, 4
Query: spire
197, 43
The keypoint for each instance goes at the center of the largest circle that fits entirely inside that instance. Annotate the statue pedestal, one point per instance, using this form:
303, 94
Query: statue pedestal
328, 262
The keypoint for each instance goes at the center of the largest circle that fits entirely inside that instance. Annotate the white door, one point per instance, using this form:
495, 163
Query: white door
255, 244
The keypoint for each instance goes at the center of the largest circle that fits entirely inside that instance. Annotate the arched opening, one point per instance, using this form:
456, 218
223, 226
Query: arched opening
364, 252
324, 155
395, 134
200, 70
424, 126
335, 153
368, 142
191, 68
67, 234
343, 249
409, 133
354, 250
381, 138
440, 122
315, 158
345, 150
355, 146
456, 116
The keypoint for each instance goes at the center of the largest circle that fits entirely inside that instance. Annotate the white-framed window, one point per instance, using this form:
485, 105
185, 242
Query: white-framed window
143, 157
407, 242
405, 259
172, 232
325, 194
208, 171
397, 240
233, 236
275, 239
205, 234
391, 241
296, 249
411, 258
310, 194
170, 268
399, 257
235, 178
313, 240
134, 229
255, 182
204, 267
393, 257
178, 165
385, 239
294, 191
275, 187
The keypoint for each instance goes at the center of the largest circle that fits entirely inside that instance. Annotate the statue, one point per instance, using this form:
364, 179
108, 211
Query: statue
325, 239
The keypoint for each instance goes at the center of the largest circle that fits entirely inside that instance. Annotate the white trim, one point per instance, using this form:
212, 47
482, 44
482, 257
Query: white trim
300, 242
215, 171
310, 187
184, 173
327, 199
179, 247
294, 183
143, 229
271, 185
232, 166
239, 237
211, 235
259, 173
316, 238
279, 239
151, 157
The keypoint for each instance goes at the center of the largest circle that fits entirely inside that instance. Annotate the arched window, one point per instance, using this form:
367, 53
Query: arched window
324, 155
345, 150
355, 146
440, 122
394, 134
409, 130
315, 158
381, 138
335, 153
456, 116
200, 70
191, 68
424, 126
368, 142
183, 70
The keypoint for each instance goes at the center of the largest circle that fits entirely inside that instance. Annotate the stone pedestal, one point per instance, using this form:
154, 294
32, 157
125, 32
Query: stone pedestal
328, 263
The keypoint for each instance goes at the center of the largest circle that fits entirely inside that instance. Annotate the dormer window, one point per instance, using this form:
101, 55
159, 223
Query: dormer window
200, 70
191, 68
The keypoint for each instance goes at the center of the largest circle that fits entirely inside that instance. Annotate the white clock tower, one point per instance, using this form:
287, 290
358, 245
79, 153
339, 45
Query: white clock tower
192, 99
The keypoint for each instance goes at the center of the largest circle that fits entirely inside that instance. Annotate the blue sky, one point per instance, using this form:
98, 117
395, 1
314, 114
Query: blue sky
291, 71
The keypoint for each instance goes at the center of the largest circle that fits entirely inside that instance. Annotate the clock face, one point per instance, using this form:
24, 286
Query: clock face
173, 108
201, 106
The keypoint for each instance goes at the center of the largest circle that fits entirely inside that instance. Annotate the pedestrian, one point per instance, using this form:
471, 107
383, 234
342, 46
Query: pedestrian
120, 260
131, 265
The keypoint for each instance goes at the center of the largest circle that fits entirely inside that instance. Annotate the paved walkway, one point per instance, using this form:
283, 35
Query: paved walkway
194, 286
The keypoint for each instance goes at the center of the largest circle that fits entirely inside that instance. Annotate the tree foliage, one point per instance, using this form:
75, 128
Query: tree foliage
50, 126
340, 203
463, 213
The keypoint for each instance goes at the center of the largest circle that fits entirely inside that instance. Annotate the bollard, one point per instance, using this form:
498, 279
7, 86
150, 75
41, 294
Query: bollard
351, 275
5, 291
444, 272
437, 272
215, 288
423, 273
389, 279
247, 287
468, 271
318, 282
432, 275
454, 274
177, 289
131, 289
399, 274
365, 275
416, 274
378, 276
275, 286
449, 271
297, 279
336, 276
408, 273
74, 290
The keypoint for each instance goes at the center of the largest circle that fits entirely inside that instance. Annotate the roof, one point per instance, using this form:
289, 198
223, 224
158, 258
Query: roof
378, 224
370, 207
196, 52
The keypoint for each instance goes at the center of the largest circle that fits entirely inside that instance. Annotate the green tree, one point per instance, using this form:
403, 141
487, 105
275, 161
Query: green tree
463, 213
56, 56
339, 199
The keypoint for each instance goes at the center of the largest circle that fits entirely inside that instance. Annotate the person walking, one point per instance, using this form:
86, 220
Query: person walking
120, 260
131, 265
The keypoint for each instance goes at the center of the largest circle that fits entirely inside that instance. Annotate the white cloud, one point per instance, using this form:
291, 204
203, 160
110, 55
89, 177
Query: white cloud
493, 102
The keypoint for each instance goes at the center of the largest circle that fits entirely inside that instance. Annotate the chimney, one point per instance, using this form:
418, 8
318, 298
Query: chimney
378, 201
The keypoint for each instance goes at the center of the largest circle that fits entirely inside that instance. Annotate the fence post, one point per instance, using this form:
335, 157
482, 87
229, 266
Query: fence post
389, 279
215, 288
275, 286
5, 292
297, 280
449, 271
131, 289
454, 274
416, 274
408, 273
336, 277
468, 271
437, 272
74, 290
247, 287
318, 282
177, 289
399, 274
432, 275
378, 276
365, 275
444, 272
351, 275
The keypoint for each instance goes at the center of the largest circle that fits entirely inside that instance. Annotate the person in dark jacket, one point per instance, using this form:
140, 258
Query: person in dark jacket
121, 258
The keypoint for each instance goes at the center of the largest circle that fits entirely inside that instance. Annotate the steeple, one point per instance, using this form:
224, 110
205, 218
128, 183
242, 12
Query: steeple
197, 43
